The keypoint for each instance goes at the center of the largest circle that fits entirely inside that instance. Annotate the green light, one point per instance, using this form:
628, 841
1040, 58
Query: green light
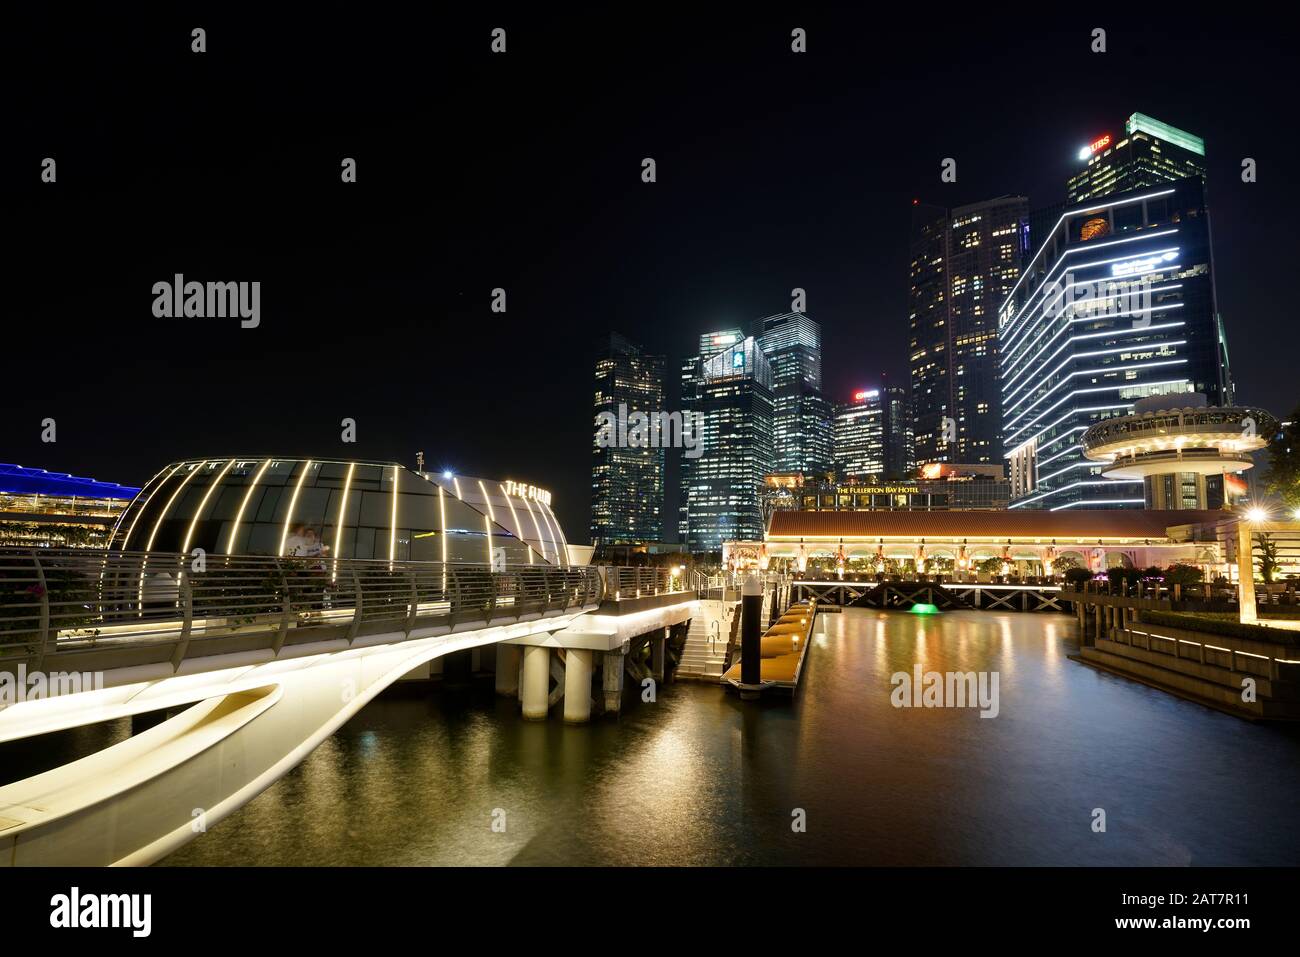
1170, 134
921, 608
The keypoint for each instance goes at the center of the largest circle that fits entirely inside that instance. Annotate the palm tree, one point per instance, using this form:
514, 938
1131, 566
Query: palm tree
1268, 562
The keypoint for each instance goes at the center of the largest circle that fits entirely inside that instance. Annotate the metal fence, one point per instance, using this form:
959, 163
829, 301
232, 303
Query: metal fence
62, 602
623, 582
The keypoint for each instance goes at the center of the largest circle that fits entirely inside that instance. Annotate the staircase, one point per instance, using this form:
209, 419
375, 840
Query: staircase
706, 642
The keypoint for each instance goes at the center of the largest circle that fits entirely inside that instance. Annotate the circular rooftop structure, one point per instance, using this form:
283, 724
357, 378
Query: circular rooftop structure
1204, 440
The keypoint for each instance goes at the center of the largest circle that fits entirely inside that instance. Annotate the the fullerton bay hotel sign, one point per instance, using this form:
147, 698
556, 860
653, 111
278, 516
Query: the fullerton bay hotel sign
879, 489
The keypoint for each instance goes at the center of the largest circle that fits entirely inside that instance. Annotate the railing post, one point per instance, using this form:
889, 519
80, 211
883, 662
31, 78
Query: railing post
414, 606
187, 615
355, 627
286, 613
44, 641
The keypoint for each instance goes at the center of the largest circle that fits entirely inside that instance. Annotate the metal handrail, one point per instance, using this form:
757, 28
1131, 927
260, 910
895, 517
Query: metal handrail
65, 601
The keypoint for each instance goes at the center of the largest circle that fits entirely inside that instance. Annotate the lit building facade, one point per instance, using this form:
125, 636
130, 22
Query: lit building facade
1182, 450
900, 453
326, 508
860, 436
627, 481
801, 415
1117, 303
721, 487
1148, 153
55, 510
963, 265
709, 344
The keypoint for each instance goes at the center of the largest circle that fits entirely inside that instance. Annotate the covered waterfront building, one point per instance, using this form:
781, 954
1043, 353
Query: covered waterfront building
331, 508
53, 509
975, 545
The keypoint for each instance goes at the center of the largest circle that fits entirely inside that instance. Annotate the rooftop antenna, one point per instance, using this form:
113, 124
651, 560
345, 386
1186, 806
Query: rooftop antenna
419, 461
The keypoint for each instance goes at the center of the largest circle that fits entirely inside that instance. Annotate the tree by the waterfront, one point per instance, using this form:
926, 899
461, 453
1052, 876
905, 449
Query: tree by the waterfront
1283, 476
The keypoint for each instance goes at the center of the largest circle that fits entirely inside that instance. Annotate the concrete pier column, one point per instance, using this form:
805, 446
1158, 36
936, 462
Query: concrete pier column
658, 656
1245, 574
507, 680
1100, 627
577, 685
536, 687
612, 679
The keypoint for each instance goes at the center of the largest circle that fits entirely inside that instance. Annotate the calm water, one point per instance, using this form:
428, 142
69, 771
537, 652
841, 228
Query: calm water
702, 778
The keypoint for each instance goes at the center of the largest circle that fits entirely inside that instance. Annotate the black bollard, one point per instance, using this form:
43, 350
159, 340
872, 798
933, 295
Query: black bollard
751, 610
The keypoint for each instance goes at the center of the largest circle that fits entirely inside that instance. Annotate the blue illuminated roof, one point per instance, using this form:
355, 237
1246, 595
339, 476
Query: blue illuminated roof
16, 479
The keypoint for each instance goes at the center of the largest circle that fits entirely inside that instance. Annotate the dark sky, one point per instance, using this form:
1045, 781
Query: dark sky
522, 171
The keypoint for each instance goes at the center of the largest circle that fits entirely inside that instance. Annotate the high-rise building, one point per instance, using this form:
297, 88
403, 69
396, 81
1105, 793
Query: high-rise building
873, 436
627, 481
1148, 153
860, 436
964, 263
801, 417
709, 345
896, 409
721, 486
1117, 303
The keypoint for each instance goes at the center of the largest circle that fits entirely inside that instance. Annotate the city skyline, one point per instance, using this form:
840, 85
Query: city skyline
823, 208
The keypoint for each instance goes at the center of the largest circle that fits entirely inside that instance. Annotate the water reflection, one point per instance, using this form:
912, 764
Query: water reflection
702, 778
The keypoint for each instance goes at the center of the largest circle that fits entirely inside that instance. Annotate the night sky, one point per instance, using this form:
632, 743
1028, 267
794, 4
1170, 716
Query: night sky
522, 171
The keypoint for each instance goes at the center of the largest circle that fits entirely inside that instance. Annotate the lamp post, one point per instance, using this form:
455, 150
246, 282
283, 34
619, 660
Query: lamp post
1246, 565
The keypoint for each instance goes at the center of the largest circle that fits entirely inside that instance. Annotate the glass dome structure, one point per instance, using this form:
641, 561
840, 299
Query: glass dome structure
291, 507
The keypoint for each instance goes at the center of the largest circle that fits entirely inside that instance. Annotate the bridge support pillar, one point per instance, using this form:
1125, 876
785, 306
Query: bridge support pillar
658, 656
612, 683
507, 678
536, 687
577, 685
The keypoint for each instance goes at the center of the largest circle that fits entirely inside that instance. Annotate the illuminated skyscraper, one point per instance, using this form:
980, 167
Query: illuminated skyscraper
1148, 153
801, 416
1116, 304
721, 486
627, 483
964, 264
860, 436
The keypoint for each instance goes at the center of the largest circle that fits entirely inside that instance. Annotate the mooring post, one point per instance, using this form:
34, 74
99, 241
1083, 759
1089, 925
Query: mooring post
751, 610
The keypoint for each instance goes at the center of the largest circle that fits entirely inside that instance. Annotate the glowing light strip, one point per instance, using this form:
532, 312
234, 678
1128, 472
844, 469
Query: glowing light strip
1072, 448
1084, 355
487, 501
392, 536
1125, 385
145, 506
189, 535
537, 528
564, 542
230, 542
167, 508
1051, 233
1078, 428
1069, 468
455, 480
1065, 488
442, 517
1089, 248
487, 532
1050, 314
293, 504
518, 528
338, 523
1099, 501
550, 530
1065, 327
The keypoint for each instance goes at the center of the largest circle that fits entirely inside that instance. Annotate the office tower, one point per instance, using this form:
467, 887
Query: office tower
721, 486
801, 417
708, 345
1149, 153
964, 263
627, 480
896, 418
1117, 303
860, 436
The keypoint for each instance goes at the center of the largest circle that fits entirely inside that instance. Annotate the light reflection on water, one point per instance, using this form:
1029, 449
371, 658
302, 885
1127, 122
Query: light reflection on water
702, 778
